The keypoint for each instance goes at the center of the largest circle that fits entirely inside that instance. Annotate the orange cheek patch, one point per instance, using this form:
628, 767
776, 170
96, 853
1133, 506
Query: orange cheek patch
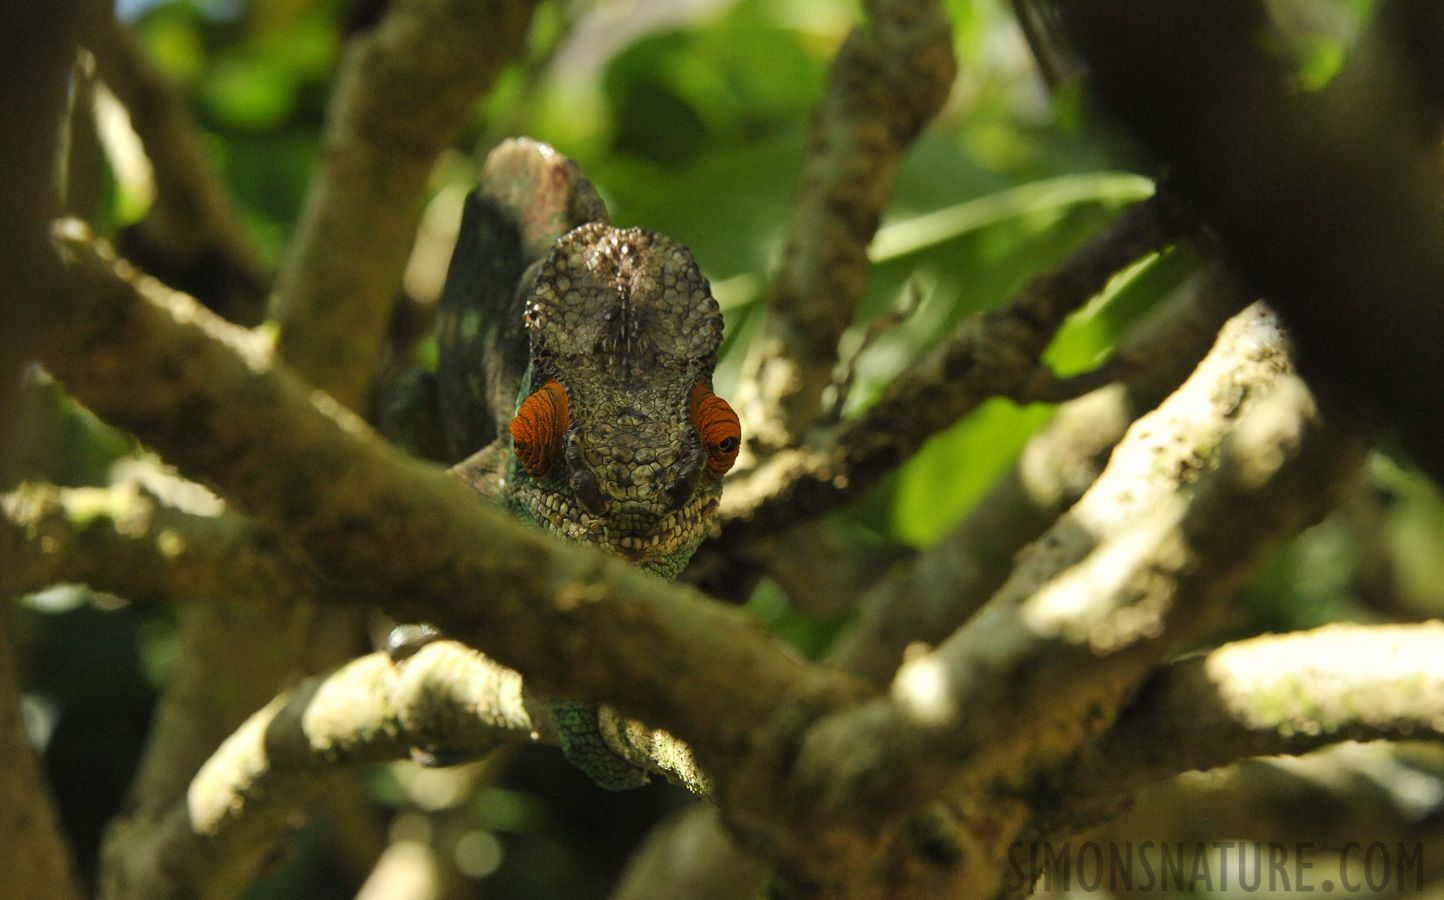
718, 426
540, 427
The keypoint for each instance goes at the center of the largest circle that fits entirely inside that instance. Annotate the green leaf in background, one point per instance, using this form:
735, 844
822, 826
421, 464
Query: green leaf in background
953, 471
250, 92
305, 48
174, 42
811, 635
924, 231
972, 256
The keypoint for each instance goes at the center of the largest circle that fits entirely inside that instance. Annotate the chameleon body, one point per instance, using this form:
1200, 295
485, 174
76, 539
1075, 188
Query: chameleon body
617, 439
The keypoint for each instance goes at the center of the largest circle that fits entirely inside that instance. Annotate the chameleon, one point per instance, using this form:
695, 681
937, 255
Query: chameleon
574, 374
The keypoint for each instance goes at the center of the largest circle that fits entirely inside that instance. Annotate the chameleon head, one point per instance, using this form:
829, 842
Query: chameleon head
619, 439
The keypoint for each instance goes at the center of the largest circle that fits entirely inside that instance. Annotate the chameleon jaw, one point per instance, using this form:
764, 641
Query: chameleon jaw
675, 532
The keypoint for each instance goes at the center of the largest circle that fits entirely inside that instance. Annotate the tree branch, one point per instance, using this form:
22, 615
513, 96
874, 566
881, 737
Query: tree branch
888, 80
450, 700
40, 42
1329, 799
403, 93
1271, 695
210, 844
936, 592
123, 539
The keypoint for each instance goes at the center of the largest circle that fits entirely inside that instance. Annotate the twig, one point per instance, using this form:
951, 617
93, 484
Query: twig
991, 354
842, 382
403, 93
888, 80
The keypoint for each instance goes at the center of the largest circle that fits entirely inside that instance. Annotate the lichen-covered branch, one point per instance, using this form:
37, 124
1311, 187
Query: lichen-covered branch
576, 623
1197, 491
946, 584
1345, 793
125, 540
446, 700
210, 843
403, 93
1276, 694
191, 237
989, 355
888, 80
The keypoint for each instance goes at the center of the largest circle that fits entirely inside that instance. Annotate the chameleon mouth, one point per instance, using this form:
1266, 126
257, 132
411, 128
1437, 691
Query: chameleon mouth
671, 533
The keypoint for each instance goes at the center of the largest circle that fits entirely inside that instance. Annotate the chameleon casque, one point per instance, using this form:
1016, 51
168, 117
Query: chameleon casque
574, 380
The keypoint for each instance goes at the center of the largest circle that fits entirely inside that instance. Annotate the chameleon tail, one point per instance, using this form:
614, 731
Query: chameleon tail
579, 726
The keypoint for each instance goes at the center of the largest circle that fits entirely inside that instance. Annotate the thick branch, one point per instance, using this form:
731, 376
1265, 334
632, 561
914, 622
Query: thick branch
1277, 694
403, 94
40, 46
888, 80
574, 622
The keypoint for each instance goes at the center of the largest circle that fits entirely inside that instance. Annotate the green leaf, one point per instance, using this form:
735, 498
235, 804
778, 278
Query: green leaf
952, 472
252, 93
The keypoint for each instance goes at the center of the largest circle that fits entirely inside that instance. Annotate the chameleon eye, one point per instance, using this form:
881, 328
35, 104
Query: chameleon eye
539, 430
721, 432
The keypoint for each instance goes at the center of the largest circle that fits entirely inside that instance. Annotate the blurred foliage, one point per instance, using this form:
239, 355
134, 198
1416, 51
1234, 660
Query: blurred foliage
691, 116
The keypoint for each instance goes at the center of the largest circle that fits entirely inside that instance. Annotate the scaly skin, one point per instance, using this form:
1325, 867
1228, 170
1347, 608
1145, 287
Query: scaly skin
626, 323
